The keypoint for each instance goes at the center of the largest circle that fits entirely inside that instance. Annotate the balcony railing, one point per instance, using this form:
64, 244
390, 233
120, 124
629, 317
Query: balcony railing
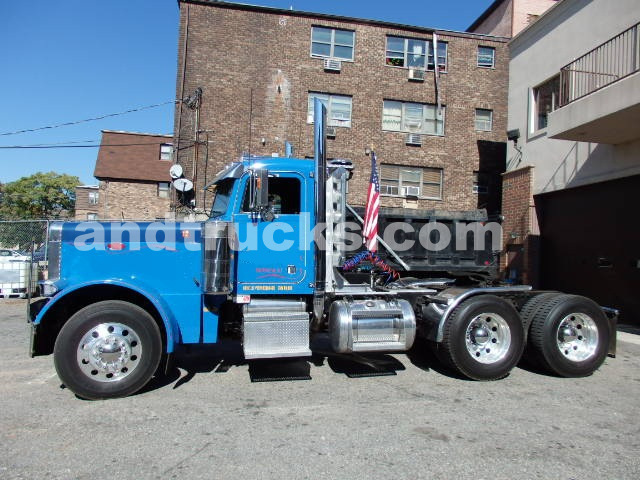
610, 62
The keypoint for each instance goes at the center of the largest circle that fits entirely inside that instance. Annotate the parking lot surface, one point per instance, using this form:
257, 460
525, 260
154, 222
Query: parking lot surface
330, 417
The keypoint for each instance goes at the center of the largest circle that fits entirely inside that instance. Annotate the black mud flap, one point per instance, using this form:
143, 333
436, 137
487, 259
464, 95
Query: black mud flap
612, 315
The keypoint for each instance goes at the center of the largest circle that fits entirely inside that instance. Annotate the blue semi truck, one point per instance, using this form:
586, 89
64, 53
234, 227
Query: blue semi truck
273, 266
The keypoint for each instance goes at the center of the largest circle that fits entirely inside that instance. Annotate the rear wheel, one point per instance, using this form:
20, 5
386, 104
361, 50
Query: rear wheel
570, 335
483, 338
108, 349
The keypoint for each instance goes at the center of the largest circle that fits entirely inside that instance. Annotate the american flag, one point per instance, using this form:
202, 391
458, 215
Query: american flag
370, 229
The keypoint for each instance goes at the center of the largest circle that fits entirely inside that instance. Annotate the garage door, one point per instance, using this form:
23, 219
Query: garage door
590, 243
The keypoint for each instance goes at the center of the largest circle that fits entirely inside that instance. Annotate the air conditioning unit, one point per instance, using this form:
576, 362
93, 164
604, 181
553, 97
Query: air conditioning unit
332, 64
331, 132
416, 74
411, 191
414, 139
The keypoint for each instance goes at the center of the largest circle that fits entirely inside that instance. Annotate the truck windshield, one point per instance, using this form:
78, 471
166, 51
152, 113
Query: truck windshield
223, 195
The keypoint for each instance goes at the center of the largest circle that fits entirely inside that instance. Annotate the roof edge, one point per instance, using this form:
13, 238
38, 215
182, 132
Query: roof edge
365, 21
484, 15
124, 132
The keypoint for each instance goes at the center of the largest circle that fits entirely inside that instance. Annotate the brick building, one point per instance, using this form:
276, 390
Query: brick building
133, 170
87, 198
437, 122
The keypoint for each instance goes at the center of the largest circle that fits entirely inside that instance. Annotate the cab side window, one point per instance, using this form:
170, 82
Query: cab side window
284, 196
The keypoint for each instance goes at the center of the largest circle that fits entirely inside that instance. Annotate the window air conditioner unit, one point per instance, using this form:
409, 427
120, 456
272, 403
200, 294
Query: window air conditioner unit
416, 74
414, 139
332, 64
331, 132
411, 191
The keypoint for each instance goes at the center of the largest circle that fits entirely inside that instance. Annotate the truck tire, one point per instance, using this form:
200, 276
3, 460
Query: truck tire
483, 338
528, 311
570, 336
108, 349
532, 305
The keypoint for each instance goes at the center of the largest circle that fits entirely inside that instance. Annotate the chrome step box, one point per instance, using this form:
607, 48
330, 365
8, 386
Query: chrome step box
275, 328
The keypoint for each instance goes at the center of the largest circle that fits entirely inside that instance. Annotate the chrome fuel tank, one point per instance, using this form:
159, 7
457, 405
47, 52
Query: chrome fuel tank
371, 325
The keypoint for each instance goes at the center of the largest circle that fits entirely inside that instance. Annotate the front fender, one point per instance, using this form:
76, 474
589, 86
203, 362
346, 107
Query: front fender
165, 312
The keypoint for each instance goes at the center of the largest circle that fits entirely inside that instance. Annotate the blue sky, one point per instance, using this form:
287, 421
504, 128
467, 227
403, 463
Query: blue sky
70, 60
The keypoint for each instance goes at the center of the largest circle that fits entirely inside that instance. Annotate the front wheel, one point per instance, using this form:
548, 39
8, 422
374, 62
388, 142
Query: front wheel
108, 349
483, 338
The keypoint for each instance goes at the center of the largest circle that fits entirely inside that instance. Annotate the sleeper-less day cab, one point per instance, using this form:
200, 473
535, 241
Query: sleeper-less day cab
120, 298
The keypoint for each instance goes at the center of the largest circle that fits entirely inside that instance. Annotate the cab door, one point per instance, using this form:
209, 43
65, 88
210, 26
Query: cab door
275, 256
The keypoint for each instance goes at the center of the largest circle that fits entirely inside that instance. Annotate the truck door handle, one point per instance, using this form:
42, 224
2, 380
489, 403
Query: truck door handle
604, 263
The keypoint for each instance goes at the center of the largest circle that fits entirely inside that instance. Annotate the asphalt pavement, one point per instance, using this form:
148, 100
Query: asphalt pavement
331, 417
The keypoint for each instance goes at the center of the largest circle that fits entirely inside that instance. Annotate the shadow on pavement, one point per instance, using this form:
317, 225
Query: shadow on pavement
191, 360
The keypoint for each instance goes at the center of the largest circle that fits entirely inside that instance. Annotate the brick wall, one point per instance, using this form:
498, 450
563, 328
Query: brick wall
255, 70
131, 201
519, 259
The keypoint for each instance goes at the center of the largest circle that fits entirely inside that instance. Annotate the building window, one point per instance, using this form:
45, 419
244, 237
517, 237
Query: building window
484, 120
412, 118
332, 43
401, 181
338, 108
93, 198
413, 53
486, 57
166, 150
92, 217
480, 183
163, 189
544, 100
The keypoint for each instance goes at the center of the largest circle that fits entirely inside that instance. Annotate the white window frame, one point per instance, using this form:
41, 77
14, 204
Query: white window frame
484, 124
534, 128
163, 192
484, 56
329, 100
410, 124
428, 64
333, 44
478, 187
92, 217
166, 149
93, 198
387, 189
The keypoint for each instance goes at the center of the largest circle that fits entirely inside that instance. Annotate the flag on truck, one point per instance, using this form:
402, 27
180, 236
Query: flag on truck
370, 228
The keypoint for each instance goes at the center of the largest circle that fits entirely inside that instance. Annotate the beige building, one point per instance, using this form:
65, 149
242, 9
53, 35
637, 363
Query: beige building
507, 18
133, 170
573, 165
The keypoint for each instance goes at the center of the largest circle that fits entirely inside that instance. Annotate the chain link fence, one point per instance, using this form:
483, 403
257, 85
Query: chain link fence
23, 256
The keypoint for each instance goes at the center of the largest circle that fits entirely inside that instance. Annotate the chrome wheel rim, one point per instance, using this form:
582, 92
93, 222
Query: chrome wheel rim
577, 337
488, 338
109, 352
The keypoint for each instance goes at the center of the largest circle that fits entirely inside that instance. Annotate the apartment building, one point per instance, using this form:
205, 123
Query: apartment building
431, 103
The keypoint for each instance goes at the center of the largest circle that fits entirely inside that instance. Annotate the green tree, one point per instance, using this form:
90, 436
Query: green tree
41, 195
